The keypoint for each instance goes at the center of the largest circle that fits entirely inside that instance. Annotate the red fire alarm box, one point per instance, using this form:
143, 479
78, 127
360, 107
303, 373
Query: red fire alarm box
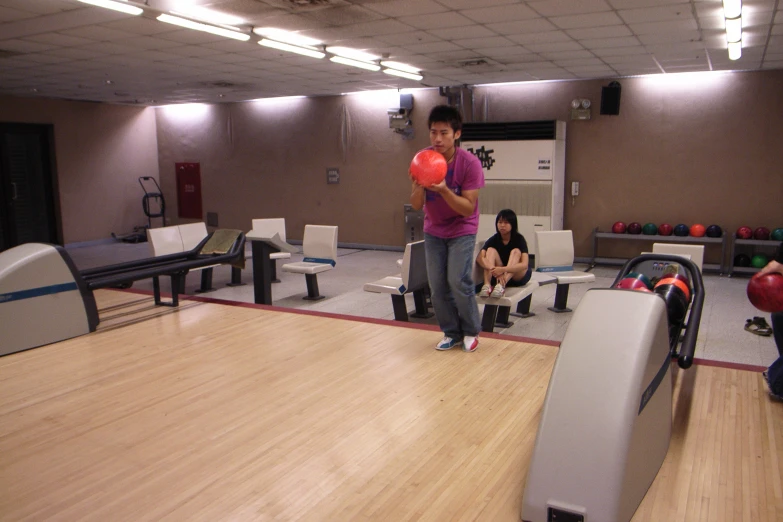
189, 190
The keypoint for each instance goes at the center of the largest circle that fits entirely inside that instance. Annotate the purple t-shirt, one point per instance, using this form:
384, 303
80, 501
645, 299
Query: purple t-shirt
440, 220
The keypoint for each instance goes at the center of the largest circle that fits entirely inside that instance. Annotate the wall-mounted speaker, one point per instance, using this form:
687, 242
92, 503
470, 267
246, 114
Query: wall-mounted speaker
610, 99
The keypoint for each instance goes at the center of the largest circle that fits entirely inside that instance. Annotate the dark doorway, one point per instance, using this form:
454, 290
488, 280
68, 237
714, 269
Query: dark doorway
28, 212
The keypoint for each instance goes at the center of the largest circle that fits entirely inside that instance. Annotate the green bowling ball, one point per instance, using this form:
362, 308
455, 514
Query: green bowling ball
777, 234
759, 261
650, 229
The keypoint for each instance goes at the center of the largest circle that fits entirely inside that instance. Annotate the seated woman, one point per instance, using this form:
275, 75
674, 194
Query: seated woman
504, 257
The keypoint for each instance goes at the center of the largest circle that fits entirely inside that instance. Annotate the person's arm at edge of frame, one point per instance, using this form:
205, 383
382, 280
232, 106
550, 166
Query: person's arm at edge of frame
776, 265
417, 195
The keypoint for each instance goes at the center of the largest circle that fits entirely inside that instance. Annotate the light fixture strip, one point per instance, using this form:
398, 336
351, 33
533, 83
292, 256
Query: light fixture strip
198, 26
732, 8
116, 6
400, 67
735, 50
282, 46
355, 63
286, 37
403, 74
733, 29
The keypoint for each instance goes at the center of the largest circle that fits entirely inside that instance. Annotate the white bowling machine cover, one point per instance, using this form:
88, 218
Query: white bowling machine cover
514, 160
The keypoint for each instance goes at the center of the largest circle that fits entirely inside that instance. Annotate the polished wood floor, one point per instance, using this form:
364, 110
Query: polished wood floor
213, 412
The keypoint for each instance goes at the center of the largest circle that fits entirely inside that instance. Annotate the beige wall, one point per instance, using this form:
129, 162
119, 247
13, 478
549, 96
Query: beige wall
684, 152
679, 152
101, 150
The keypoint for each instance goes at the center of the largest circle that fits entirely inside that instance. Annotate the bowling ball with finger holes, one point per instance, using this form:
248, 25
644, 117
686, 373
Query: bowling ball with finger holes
761, 233
765, 292
634, 228
428, 167
650, 229
777, 234
618, 228
742, 260
744, 233
665, 230
641, 277
714, 231
759, 261
676, 304
697, 230
682, 230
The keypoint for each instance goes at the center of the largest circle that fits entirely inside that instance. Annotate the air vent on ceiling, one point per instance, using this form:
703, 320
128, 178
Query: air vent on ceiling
508, 131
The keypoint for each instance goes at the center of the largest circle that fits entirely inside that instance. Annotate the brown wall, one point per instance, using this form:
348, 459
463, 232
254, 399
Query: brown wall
687, 152
101, 150
683, 152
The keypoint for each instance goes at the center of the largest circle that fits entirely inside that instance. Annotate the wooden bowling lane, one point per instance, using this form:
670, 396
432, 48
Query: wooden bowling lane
216, 412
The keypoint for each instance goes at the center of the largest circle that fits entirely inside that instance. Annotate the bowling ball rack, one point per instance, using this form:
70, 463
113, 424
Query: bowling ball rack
688, 328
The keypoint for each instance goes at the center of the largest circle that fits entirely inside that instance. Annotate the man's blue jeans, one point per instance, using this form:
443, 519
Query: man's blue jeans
775, 372
450, 274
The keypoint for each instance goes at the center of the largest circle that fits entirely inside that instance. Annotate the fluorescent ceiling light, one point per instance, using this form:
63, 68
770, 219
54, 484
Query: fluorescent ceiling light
401, 66
732, 8
208, 15
733, 29
735, 50
404, 74
312, 53
353, 54
117, 6
285, 36
355, 63
198, 26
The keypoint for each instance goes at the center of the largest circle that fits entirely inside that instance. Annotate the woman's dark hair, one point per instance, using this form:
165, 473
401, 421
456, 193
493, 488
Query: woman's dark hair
509, 216
445, 114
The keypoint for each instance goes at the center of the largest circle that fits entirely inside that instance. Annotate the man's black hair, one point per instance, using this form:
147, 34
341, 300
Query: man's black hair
445, 114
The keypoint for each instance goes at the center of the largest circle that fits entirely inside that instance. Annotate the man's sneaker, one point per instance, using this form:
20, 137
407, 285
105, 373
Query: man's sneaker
447, 343
485, 291
498, 291
469, 343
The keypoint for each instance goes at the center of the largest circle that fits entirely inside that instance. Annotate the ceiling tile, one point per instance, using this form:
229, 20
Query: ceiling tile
610, 31
537, 25
476, 31
586, 20
502, 13
657, 14
569, 7
397, 8
436, 21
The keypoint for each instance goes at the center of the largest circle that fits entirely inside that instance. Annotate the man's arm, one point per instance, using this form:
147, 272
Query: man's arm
463, 205
417, 196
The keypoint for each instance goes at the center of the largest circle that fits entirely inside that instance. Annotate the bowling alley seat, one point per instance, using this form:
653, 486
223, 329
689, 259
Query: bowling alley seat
320, 254
268, 228
556, 258
412, 279
696, 252
175, 239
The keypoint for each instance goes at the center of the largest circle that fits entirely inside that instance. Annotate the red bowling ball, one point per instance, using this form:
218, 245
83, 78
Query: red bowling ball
665, 229
618, 228
765, 292
428, 167
761, 233
744, 233
634, 228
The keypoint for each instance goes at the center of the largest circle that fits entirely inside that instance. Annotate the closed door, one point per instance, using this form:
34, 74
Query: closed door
26, 185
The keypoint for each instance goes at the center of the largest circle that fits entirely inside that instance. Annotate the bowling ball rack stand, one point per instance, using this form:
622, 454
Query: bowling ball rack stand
688, 328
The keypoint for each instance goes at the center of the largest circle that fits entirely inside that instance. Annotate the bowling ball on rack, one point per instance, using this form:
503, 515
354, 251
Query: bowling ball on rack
759, 261
697, 230
676, 303
641, 277
682, 230
761, 233
634, 228
765, 292
714, 231
650, 229
631, 283
678, 280
618, 228
665, 230
742, 260
777, 234
428, 167
744, 233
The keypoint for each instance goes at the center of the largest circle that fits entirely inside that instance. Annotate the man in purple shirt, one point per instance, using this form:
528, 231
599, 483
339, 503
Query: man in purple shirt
774, 374
450, 225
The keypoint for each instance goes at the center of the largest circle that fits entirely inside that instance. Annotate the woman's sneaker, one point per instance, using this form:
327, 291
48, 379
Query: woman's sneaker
485, 291
447, 343
498, 291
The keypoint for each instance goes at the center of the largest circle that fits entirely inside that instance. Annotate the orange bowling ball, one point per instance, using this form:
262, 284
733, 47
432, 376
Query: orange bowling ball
698, 230
428, 167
